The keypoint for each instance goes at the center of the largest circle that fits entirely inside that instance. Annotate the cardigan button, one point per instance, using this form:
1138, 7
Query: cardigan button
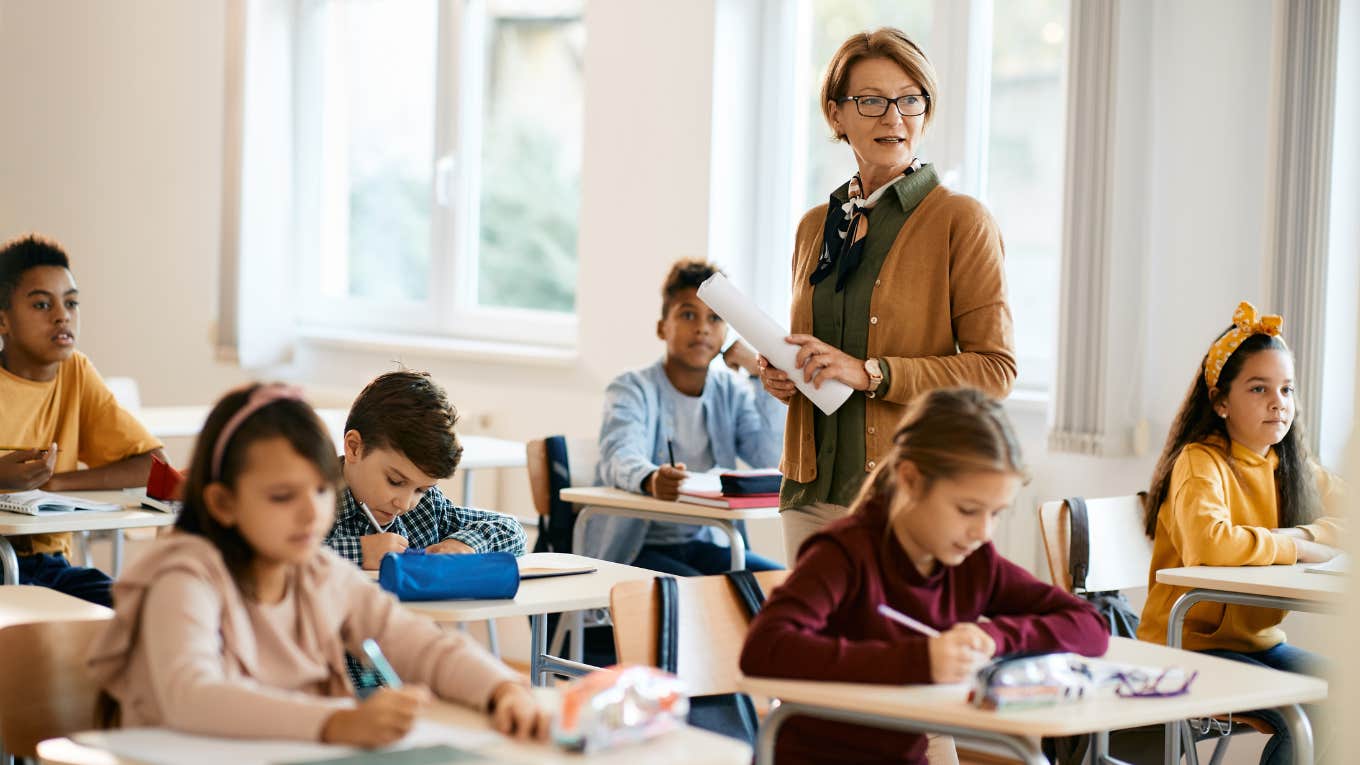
871, 430
871, 464
877, 282
873, 319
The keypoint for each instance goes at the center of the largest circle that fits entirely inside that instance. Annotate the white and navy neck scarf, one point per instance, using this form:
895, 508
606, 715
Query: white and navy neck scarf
842, 252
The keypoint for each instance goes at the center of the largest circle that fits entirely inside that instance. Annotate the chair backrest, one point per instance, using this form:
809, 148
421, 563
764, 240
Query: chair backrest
45, 691
1120, 552
583, 455
711, 629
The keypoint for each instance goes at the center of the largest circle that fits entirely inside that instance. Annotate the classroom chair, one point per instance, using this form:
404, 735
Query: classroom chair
555, 463
710, 619
45, 691
1117, 567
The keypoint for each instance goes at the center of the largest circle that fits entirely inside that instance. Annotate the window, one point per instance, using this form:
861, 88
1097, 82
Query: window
438, 166
999, 136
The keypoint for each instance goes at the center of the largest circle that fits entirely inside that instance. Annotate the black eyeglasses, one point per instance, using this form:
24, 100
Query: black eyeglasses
912, 105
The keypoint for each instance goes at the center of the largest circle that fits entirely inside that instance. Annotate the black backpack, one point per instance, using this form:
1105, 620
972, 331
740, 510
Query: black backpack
730, 714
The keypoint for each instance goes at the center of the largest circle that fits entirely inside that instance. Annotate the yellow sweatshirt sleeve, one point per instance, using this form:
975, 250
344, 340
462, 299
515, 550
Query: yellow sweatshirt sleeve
1203, 530
1330, 528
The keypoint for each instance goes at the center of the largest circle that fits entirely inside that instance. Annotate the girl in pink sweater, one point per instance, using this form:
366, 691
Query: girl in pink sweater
918, 538
237, 624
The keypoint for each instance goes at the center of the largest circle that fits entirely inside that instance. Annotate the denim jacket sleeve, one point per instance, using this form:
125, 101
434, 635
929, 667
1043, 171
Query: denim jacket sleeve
760, 424
627, 434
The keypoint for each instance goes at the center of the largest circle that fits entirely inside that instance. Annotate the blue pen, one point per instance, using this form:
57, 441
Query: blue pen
379, 662
413, 551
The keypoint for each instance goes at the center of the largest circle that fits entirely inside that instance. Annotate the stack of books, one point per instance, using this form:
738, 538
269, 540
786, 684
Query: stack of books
733, 489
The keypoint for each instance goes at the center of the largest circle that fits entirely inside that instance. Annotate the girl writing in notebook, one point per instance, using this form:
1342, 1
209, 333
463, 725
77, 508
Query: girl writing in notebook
918, 539
238, 623
1235, 487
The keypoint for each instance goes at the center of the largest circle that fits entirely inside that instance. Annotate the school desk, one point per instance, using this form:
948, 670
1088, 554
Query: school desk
1289, 588
679, 747
1222, 686
600, 500
18, 524
25, 604
537, 598
479, 452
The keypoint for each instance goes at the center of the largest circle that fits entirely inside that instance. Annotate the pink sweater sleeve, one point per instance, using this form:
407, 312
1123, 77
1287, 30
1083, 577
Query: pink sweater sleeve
453, 665
1028, 615
181, 631
788, 637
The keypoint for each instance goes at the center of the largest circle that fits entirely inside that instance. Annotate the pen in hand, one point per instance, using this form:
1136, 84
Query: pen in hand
369, 513
670, 450
907, 621
380, 664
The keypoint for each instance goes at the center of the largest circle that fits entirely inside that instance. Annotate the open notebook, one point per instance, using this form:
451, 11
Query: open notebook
38, 501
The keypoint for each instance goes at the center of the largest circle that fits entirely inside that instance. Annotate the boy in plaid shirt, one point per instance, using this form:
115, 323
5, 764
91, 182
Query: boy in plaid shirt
399, 440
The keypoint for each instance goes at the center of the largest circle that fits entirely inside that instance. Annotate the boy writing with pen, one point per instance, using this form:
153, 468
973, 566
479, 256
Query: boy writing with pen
895, 592
682, 414
56, 411
399, 440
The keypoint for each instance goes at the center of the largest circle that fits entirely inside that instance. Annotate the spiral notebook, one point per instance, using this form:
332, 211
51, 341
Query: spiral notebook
39, 502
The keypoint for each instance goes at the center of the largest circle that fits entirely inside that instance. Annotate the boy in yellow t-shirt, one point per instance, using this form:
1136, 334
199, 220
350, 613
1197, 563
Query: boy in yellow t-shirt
57, 411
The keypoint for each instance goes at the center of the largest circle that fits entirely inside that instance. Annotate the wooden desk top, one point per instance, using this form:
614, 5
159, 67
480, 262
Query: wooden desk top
540, 596
24, 604
1222, 686
1277, 581
17, 524
607, 497
688, 745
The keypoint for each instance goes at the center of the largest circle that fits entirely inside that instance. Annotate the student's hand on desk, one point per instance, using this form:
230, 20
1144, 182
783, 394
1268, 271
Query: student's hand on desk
375, 546
514, 712
958, 653
27, 469
821, 362
664, 482
1314, 552
741, 356
776, 383
450, 547
379, 720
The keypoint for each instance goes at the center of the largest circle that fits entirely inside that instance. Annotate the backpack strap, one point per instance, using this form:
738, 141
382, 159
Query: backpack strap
1079, 549
748, 589
667, 624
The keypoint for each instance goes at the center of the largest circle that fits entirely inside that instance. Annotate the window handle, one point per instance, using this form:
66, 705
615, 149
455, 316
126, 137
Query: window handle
444, 169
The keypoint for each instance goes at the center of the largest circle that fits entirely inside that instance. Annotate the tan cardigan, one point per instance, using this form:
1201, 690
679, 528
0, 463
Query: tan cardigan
194, 662
938, 317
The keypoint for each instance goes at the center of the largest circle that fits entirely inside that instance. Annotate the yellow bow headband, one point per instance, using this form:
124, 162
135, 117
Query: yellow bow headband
1246, 322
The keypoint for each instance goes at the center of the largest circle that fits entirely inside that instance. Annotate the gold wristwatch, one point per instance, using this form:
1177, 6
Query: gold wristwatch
875, 376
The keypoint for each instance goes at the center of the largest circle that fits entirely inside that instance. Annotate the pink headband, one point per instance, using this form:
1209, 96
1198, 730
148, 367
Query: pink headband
261, 397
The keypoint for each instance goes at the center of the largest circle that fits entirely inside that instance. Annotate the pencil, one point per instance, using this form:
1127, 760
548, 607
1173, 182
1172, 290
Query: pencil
670, 449
907, 621
380, 663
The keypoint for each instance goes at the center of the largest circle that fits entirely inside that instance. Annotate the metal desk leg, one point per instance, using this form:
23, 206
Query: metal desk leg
1175, 626
117, 564
738, 544
467, 488
9, 562
538, 645
1301, 731
1026, 749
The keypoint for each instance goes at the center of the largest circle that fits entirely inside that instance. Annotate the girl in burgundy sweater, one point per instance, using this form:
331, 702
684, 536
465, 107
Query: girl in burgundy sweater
918, 539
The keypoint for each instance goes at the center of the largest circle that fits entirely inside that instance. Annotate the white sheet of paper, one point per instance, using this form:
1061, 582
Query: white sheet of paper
159, 746
767, 337
1338, 566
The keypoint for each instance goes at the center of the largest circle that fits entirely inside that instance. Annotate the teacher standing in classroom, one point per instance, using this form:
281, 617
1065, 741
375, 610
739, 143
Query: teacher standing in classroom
898, 285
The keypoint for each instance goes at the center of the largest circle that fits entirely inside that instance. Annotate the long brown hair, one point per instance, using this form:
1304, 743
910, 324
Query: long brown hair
290, 419
946, 433
1298, 501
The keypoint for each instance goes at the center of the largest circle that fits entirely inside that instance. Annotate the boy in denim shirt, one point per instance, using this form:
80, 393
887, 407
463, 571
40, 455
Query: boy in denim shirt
710, 415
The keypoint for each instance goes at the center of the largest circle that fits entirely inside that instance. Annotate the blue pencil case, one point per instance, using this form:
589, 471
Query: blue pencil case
486, 576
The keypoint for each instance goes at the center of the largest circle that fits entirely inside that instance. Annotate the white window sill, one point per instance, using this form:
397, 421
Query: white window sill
436, 346
1028, 401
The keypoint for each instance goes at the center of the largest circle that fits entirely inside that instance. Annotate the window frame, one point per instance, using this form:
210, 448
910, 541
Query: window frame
451, 310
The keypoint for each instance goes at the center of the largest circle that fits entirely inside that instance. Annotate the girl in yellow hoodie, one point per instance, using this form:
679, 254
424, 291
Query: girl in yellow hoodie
1235, 486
